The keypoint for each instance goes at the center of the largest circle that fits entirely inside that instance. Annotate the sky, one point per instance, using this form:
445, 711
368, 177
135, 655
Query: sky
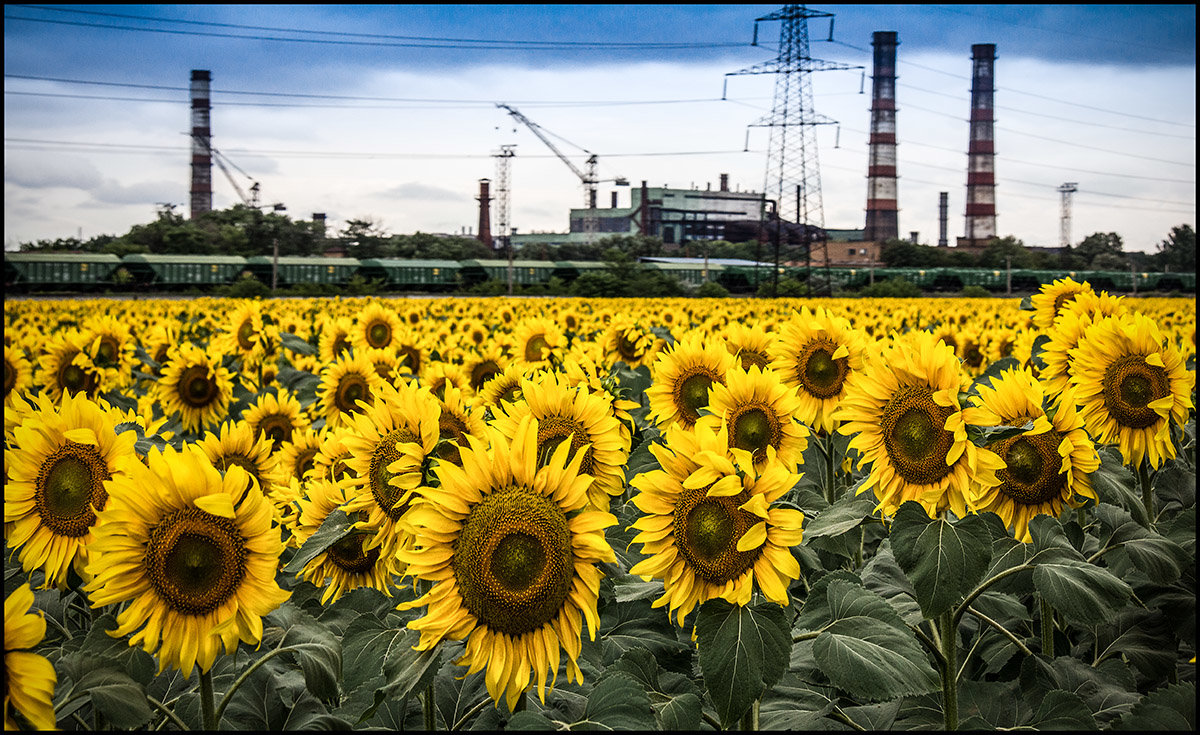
389, 113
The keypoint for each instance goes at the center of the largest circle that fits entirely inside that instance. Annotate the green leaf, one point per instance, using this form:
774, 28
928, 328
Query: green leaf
1050, 542
1142, 637
296, 344
530, 721
1169, 708
406, 669
1082, 592
617, 703
1114, 483
1161, 559
743, 651
792, 704
674, 698
270, 701
944, 561
844, 515
1061, 710
636, 624
873, 662
815, 612
1175, 483
337, 526
117, 697
883, 576
317, 649
1027, 304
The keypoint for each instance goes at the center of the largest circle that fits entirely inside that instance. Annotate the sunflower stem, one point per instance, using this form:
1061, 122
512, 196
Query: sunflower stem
210, 718
1147, 492
949, 634
750, 719
1047, 629
241, 680
429, 702
830, 495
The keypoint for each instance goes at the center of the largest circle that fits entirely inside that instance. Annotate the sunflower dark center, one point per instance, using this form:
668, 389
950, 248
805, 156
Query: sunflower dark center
1129, 386
536, 349
351, 389
304, 461
818, 373
692, 395
628, 349
754, 427
1032, 475
10, 377
386, 494
237, 459
483, 372
196, 387
277, 427
555, 430
348, 554
914, 437
245, 335
452, 432
513, 561
753, 358
108, 350
707, 530
972, 355
70, 489
413, 356
195, 560
75, 379
1061, 299
378, 335
340, 345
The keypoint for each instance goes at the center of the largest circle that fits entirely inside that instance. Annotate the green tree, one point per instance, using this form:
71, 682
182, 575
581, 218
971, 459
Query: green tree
998, 251
1177, 253
897, 253
367, 239
1099, 243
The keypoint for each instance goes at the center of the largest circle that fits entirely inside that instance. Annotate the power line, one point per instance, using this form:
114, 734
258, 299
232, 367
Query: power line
490, 46
604, 44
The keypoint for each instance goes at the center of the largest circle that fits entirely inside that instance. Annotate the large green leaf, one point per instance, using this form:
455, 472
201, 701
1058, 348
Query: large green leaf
944, 560
119, 699
793, 704
1082, 592
1050, 541
314, 645
883, 576
844, 515
273, 701
636, 624
743, 651
335, 527
1114, 483
873, 662
1061, 710
1169, 708
1141, 637
296, 344
674, 698
618, 702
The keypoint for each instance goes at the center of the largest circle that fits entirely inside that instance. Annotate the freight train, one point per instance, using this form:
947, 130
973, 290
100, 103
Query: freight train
97, 273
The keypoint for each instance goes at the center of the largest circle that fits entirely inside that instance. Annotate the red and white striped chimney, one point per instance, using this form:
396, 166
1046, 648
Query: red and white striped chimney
882, 207
981, 152
201, 191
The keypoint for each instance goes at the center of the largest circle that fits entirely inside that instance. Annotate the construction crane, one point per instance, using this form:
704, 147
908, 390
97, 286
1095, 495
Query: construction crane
221, 160
588, 177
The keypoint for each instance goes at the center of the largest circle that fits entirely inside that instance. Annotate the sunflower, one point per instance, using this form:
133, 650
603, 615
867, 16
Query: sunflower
57, 468
387, 363
246, 335
757, 411
683, 374
237, 444
511, 550
628, 342
348, 564
159, 339
535, 341
455, 423
29, 679
484, 366
111, 347
412, 350
375, 328
814, 354
710, 528
66, 367
335, 339
1048, 302
330, 461
750, 345
195, 386
18, 372
344, 383
388, 450
1064, 337
502, 389
577, 418
296, 456
277, 416
1046, 466
1131, 385
193, 553
439, 376
903, 413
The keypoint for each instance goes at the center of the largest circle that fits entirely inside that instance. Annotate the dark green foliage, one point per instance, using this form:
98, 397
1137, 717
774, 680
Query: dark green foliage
891, 288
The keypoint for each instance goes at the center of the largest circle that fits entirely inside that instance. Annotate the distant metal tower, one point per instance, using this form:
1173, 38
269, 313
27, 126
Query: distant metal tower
882, 207
981, 151
201, 190
793, 178
1064, 221
503, 211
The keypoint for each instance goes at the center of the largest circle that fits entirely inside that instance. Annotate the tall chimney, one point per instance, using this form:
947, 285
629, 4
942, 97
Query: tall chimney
724, 182
943, 215
981, 153
201, 192
644, 223
614, 200
882, 208
319, 221
485, 214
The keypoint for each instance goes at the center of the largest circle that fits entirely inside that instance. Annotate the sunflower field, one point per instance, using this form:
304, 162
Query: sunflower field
676, 514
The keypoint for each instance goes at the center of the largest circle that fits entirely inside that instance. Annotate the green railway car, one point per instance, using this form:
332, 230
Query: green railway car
525, 272
568, 270
413, 275
59, 271
179, 271
691, 274
294, 270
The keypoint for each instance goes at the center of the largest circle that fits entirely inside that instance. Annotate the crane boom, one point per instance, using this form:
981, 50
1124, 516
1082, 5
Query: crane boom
588, 179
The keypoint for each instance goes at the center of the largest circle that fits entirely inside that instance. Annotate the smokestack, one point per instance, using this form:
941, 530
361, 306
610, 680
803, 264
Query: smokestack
644, 224
319, 221
943, 214
201, 192
981, 153
614, 200
724, 182
882, 209
913, 237
485, 214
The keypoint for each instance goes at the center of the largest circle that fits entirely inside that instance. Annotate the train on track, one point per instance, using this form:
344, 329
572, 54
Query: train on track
98, 273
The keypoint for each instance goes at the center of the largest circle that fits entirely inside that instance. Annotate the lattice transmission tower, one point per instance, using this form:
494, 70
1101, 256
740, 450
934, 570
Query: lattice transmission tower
1064, 217
503, 237
793, 176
